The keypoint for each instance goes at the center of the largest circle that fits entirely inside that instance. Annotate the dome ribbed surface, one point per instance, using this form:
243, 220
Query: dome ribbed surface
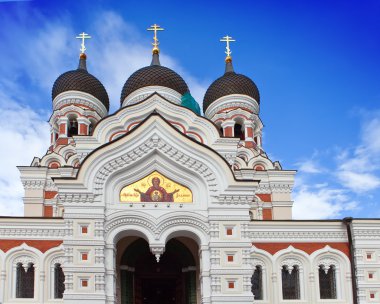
154, 75
230, 83
80, 80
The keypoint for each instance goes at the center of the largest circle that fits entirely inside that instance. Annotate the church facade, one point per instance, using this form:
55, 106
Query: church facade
156, 203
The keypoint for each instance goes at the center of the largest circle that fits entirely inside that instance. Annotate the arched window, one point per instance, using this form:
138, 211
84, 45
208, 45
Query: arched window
72, 127
290, 283
257, 283
25, 281
59, 279
238, 131
327, 282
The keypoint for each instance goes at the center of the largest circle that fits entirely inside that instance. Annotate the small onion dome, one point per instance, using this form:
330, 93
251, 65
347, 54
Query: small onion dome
230, 83
154, 75
81, 80
189, 102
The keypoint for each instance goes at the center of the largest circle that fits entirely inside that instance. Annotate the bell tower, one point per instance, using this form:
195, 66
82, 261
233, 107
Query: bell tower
232, 102
79, 102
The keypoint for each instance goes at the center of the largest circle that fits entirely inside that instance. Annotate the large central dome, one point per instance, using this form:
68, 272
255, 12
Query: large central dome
154, 75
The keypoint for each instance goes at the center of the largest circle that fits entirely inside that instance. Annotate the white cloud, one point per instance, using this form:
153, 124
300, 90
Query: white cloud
320, 202
309, 166
24, 134
358, 169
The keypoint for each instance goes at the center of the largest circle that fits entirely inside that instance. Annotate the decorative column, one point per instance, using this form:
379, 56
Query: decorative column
3, 276
62, 125
312, 288
41, 283
248, 130
83, 125
259, 140
110, 256
275, 288
228, 128
204, 254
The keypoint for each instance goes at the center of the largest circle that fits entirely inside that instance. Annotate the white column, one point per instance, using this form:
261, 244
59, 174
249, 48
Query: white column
60, 121
276, 288
110, 254
204, 255
313, 286
2, 285
41, 283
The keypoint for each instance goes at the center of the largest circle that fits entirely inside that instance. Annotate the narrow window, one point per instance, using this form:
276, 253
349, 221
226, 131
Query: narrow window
327, 284
72, 128
24, 281
257, 283
290, 283
238, 132
59, 279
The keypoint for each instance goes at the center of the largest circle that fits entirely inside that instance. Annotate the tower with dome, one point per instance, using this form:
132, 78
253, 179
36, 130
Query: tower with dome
157, 203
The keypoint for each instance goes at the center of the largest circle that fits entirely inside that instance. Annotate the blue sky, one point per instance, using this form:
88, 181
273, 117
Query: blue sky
316, 63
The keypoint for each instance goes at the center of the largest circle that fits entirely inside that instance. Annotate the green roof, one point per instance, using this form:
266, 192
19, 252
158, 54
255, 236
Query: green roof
189, 102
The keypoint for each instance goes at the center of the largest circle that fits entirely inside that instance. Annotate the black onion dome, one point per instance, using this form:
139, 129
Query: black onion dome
230, 83
154, 75
81, 80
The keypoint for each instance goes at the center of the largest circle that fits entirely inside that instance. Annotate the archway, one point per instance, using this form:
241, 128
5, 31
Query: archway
143, 280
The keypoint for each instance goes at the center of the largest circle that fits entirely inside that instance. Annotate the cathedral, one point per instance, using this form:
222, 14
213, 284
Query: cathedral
159, 204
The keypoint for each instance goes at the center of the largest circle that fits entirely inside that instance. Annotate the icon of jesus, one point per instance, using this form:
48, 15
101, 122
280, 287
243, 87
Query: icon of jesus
156, 193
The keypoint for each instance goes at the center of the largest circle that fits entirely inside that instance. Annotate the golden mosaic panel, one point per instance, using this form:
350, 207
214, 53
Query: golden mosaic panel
156, 188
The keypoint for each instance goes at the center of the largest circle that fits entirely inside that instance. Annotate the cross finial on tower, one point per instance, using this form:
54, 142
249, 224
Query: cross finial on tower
83, 36
155, 28
228, 52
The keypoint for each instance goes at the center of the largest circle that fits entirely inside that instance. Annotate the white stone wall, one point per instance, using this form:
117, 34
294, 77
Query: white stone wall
366, 237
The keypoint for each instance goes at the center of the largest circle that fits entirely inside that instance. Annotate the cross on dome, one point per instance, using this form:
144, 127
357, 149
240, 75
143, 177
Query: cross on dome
228, 51
155, 28
83, 36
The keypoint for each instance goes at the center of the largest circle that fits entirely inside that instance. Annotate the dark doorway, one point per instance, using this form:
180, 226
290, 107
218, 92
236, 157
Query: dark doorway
171, 281
162, 291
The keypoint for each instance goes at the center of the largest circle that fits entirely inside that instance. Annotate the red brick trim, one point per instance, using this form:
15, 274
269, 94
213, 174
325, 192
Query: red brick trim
309, 248
41, 245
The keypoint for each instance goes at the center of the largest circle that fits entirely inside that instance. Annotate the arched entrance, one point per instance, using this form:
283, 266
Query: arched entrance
172, 280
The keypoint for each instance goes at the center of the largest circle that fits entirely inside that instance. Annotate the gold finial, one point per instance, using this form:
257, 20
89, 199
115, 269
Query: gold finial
228, 39
155, 28
83, 36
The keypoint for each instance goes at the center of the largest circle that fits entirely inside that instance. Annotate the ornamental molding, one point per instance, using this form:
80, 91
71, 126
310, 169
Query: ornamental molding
58, 260
297, 235
160, 227
235, 199
257, 262
366, 233
290, 262
25, 260
41, 232
274, 188
232, 101
154, 143
76, 198
33, 184
76, 97
326, 262
50, 186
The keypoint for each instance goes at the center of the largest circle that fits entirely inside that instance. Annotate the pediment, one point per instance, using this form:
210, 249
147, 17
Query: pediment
156, 145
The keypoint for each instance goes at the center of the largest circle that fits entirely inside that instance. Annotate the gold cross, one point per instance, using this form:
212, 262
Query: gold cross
155, 28
228, 39
83, 36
